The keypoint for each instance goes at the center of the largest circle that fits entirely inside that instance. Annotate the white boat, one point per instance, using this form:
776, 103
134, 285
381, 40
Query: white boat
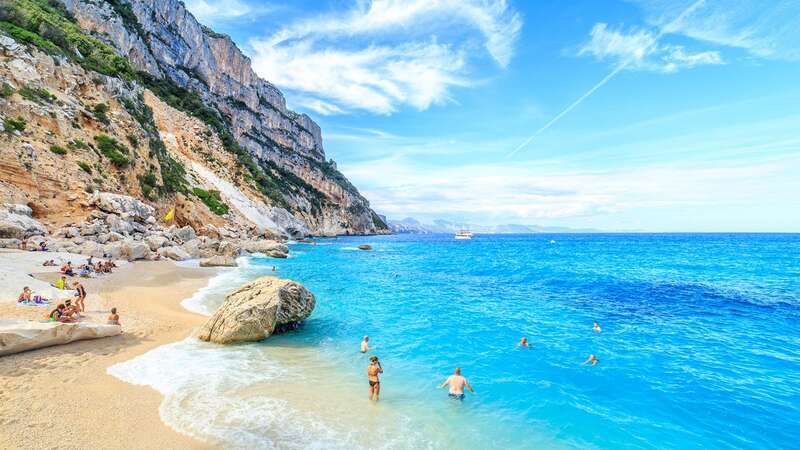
463, 234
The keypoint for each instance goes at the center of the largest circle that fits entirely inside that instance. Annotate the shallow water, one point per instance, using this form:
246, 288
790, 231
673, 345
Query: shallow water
699, 347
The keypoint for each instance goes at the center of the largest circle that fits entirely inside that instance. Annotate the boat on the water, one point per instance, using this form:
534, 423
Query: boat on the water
463, 234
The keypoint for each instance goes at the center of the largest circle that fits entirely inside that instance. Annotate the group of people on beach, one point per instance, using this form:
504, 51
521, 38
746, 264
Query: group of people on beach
85, 270
70, 311
457, 383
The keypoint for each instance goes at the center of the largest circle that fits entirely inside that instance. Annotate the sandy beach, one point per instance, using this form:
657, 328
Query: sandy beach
62, 397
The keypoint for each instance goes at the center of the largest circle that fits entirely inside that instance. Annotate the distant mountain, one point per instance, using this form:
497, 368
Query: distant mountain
409, 225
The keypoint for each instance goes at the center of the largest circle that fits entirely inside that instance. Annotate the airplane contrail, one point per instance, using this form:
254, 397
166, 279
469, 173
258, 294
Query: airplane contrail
666, 29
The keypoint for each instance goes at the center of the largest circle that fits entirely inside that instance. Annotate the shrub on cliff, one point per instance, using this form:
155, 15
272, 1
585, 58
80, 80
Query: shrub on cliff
211, 199
12, 125
113, 150
6, 91
37, 95
100, 112
58, 150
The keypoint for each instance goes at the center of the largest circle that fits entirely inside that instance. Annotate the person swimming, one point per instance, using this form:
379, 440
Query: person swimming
365, 345
457, 384
524, 343
597, 328
373, 370
591, 360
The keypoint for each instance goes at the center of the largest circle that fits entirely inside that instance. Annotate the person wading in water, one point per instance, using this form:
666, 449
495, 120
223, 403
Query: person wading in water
373, 370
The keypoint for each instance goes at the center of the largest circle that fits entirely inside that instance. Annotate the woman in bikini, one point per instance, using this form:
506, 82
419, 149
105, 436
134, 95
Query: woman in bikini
373, 370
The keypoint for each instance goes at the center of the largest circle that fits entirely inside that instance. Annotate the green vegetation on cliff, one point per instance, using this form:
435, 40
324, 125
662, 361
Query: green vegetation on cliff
49, 27
213, 200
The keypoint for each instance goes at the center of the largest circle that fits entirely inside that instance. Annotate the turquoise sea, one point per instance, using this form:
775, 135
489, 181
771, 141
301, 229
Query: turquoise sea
700, 346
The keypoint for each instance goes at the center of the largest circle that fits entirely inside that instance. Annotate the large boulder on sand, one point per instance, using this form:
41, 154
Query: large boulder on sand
16, 223
269, 248
257, 310
218, 261
121, 204
22, 335
174, 253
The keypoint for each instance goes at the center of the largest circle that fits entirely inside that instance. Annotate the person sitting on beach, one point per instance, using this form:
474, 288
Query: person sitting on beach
57, 315
113, 318
61, 283
373, 370
66, 269
81, 296
42, 246
25, 296
524, 343
71, 311
591, 360
597, 328
85, 272
365, 345
457, 384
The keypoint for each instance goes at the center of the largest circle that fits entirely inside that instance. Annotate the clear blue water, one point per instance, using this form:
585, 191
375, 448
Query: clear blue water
700, 344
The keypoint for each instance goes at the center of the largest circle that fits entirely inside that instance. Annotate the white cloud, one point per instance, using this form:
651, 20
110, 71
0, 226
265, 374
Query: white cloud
638, 49
384, 54
498, 194
763, 29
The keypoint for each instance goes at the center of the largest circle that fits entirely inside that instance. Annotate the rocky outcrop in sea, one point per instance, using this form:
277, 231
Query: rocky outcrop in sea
257, 310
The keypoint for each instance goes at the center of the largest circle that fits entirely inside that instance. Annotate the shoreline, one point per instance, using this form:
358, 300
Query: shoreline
67, 388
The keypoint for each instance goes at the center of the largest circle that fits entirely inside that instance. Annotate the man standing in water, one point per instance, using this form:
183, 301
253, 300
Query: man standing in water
457, 384
365, 345
373, 370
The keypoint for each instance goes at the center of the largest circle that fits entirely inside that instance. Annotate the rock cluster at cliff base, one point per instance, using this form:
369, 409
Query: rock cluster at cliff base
256, 310
123, 227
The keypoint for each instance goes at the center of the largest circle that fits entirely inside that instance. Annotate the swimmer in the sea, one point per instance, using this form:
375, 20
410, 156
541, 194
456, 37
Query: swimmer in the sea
591, 360
524, 343
597, 328
457, 384
365, 345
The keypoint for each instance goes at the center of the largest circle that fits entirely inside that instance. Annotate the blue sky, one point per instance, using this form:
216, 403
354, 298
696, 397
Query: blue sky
648, 114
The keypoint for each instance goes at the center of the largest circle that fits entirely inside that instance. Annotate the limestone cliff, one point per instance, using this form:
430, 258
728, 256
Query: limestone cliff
201, 118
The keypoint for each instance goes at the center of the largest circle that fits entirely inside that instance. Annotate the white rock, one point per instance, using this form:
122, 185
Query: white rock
121, 204
218, 261
23, 335
155, 241
174, 252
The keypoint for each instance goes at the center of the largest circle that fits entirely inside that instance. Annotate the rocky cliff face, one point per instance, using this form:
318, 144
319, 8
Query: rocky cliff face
270, 160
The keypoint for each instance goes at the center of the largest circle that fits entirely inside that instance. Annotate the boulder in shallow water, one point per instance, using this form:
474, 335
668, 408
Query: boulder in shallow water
218, 261
22, 335
365, 247
257, 310
269, 248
